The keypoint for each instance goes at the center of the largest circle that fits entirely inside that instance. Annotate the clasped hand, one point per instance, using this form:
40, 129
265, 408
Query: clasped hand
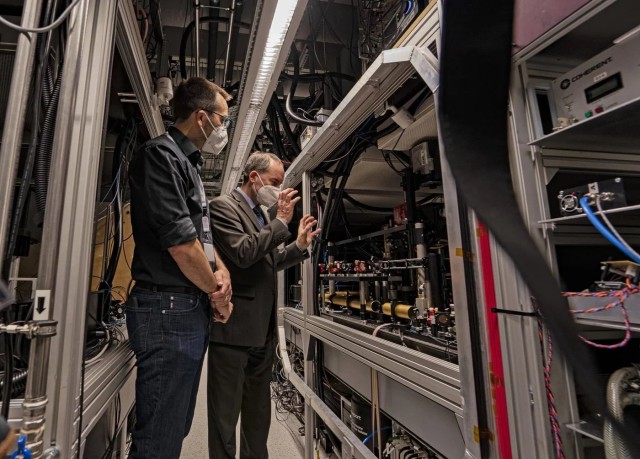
220, 300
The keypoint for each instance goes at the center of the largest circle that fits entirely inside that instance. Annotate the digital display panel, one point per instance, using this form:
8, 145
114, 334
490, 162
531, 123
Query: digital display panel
603, 88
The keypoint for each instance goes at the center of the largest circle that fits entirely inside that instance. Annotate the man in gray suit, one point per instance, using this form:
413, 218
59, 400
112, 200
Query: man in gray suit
241, 351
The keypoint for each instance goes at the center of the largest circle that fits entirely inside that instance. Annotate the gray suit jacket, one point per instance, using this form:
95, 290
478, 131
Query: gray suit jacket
253, 258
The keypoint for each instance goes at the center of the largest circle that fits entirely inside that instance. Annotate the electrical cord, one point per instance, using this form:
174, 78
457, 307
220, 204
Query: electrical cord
551, 403
620, 297
44, 29
584, 203
292, 91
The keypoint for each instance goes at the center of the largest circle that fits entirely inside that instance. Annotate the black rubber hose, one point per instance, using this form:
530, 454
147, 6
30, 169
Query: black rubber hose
275, 133
45, 147
285, 124
187, 34
292, 90
364, 206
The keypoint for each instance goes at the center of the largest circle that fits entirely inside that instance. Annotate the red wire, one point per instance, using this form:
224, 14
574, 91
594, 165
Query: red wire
621, 296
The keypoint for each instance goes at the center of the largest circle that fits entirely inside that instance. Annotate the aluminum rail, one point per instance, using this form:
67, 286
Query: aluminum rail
15, 117
65, 262
352, 446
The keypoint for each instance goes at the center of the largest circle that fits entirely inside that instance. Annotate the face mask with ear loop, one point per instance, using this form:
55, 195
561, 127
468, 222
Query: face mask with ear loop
268, 194
216, 141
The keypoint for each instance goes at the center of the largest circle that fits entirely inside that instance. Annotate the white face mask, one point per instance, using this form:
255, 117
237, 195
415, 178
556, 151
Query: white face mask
268, 194
216, 141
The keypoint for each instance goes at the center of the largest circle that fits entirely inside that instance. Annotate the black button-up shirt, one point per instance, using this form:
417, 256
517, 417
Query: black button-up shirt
166, 206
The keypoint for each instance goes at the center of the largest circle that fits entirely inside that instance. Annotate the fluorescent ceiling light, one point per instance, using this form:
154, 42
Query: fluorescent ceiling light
282, 17
626, 36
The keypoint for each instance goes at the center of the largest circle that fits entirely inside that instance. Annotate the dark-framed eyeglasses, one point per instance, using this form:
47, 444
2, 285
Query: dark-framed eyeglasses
226, 120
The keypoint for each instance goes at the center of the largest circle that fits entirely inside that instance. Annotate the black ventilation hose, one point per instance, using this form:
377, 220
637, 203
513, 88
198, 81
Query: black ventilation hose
362, 205
275, 137
275, 103
45, 147
48, 84
187, 34
292, 90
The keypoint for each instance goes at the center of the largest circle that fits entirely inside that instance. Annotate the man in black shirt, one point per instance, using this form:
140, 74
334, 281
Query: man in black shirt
179, 278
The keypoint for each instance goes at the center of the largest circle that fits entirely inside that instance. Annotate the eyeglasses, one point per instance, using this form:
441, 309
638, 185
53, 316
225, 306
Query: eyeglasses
226, 120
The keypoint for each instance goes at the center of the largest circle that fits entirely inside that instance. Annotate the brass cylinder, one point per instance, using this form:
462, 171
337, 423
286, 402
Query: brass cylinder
403, 311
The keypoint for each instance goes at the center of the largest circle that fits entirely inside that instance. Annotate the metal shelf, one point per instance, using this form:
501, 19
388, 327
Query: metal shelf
611, 318
620, 126
104, 380
588, 430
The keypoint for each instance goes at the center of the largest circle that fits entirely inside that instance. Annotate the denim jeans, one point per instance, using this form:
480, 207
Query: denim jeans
169, 333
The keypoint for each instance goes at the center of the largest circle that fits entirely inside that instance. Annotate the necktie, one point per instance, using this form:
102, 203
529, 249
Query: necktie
259, 216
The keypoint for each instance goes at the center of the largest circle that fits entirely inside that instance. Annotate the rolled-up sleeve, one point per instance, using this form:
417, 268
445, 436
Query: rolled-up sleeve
157, 179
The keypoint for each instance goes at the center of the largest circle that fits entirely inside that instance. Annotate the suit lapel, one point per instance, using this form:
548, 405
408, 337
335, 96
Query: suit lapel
244, 205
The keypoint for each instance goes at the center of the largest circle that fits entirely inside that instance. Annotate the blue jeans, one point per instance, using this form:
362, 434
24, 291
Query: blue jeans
169, 333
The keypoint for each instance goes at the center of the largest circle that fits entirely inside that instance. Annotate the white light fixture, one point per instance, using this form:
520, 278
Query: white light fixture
626, 36
282, 17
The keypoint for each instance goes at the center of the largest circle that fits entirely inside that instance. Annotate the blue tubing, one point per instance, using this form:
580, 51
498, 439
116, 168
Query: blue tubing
584, 202
373, 434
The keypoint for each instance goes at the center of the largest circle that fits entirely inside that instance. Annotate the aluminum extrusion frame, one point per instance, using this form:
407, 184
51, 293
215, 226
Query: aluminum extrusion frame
65, 265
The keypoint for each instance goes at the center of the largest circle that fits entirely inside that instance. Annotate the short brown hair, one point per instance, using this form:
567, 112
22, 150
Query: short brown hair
196, 93
260, 162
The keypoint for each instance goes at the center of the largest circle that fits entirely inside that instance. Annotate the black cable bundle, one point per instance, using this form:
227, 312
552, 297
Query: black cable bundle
477, 152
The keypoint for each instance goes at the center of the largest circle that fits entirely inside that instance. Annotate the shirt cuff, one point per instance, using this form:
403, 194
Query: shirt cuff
176, 233
286, 225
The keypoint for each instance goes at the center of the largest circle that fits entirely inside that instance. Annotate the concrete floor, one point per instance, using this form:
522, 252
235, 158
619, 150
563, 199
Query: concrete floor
284, 440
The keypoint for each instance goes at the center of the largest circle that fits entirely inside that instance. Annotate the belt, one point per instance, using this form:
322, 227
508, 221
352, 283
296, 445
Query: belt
169, 288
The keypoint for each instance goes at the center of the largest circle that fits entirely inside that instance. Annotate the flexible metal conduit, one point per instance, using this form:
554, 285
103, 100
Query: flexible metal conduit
45, 147
618, 398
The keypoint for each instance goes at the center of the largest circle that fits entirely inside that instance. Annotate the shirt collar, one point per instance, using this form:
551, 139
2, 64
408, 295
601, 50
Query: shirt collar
186, 145
246, 198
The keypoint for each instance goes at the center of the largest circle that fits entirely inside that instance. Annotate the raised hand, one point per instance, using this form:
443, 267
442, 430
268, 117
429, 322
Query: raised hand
305, 233
286, 204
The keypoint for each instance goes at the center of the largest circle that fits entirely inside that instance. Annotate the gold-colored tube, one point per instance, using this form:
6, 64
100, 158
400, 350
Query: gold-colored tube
403, 311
